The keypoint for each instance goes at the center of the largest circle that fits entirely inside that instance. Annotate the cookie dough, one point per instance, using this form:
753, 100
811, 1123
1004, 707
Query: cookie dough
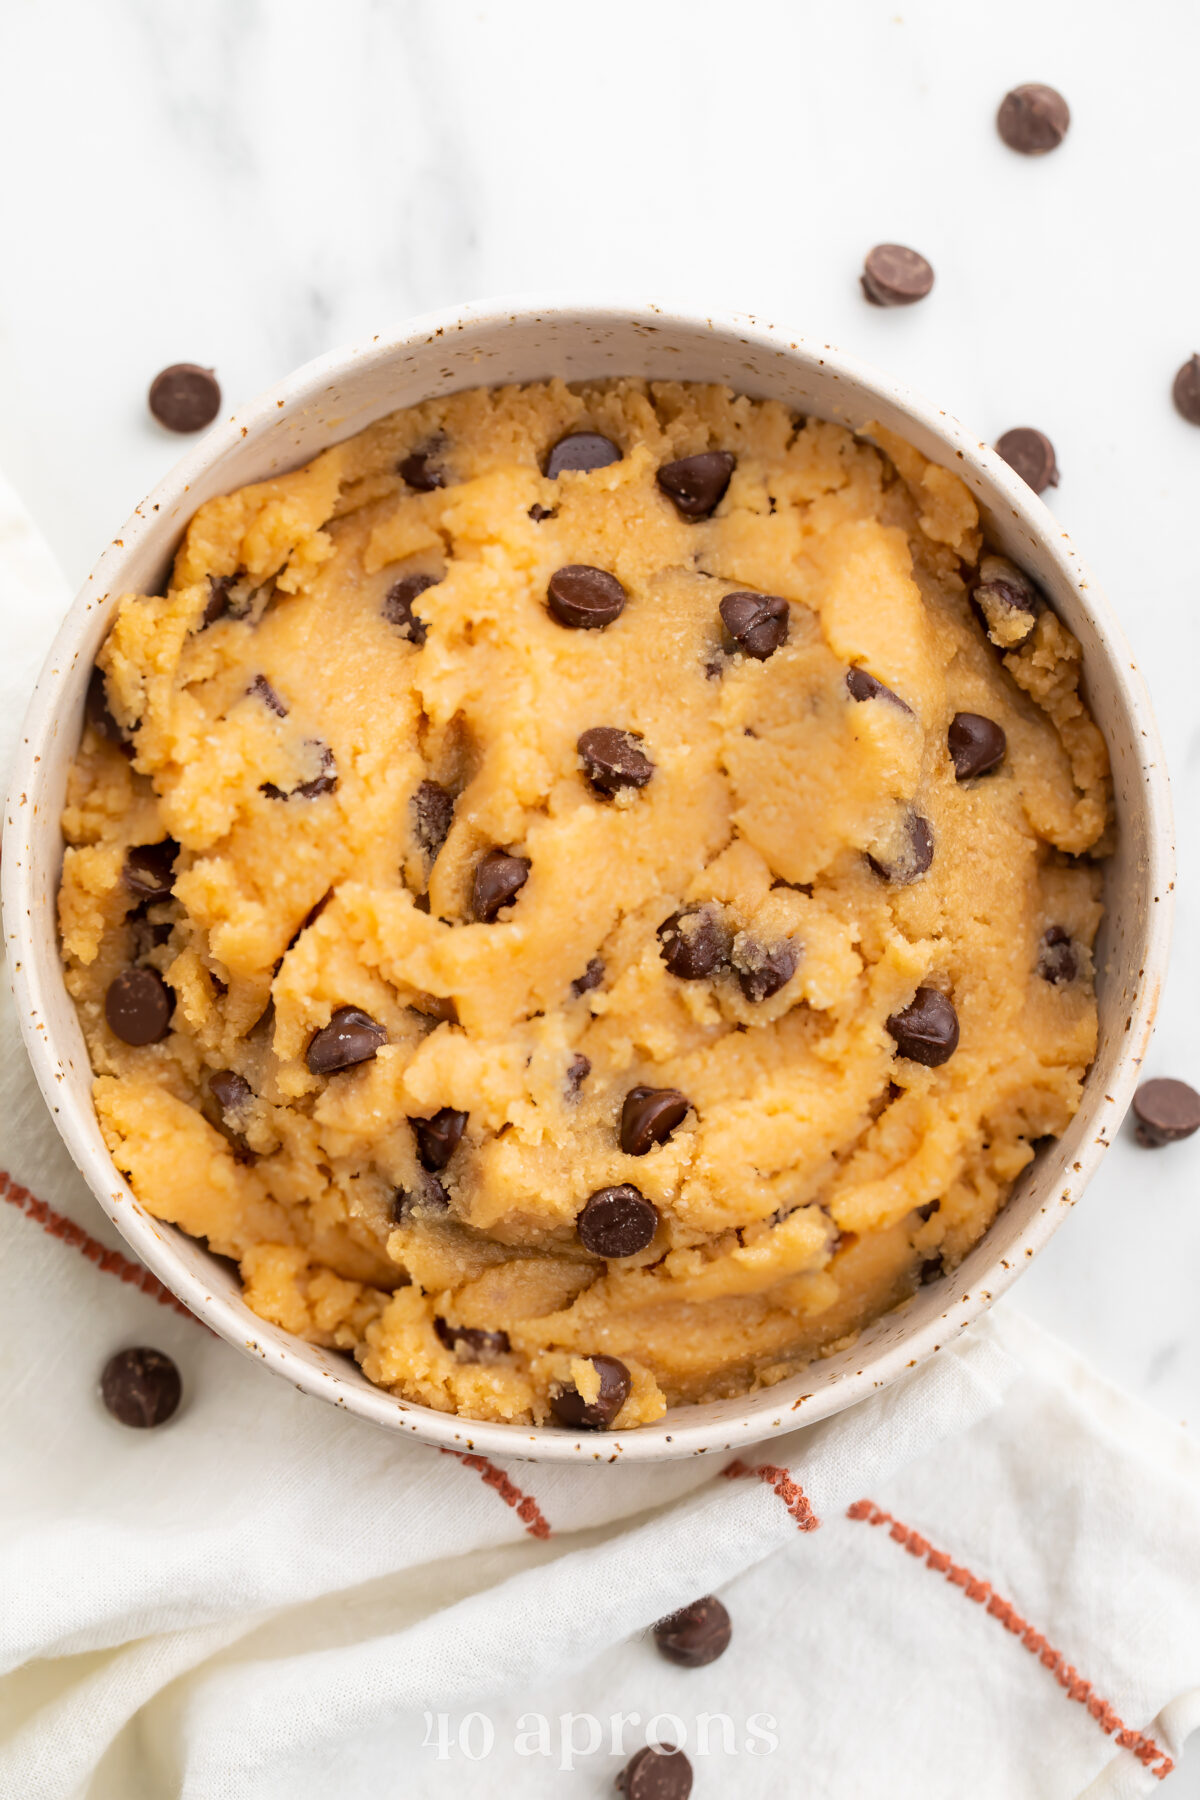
586, 893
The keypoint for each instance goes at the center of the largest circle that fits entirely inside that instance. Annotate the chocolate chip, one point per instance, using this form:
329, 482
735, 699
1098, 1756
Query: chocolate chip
262, 690
592, 976
865, 687
421, 471
913, 856
695, 942
140, 1387
324, 783
398, 606
757, 623
657, 1772
433, 815
927, 1030
612, 760
499, 878
470, 1344
976, 745
218, 602
147, 871
538, 513
231, 1096
1008, 601
761, 972
1031, 454
427, 1198
1186, 391
648, 1117
583, 598
1166, 1112
138, 1007
96, 713
578, 1070
894, 275
697, 484
581, 450
696, 1634
1033, 119
438, 1138
570, 1408
351, 1037
932, 1269
185, 397
310, 918
617, 1221
436, 1006
1057, 960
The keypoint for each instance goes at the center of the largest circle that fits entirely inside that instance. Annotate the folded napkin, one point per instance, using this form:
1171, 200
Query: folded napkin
984, 1582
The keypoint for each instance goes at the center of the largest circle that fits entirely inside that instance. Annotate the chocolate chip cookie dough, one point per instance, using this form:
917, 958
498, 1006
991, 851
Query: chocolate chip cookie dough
586, 894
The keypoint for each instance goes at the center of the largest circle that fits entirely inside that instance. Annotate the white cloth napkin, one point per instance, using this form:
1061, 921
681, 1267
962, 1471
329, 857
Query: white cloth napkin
984, 1582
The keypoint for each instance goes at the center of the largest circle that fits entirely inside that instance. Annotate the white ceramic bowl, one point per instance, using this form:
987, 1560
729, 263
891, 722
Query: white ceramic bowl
489, 344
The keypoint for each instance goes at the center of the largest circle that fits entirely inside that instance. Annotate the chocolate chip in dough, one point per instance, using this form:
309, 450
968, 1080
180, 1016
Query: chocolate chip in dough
592, 976
1057, 959
398, 606
499, 878
912, 858
97, 715
696, 1634
757, 623
616, 1221
1186, 391
470, 1344
422, 471
927, 1030
581, 450
649, 1116
141, 1387
1031, 454
538, 513
932, 1269
427, 1198
894, 275
323, 783
697, 484
433, 815
147, 871
438, 1138
231, 1098
219, 602
1166, 1112
261, 689
657, 1772
695, 942
762, 971
138, 1007
570, 1408
185, 397
1008, 602
1033, 119
351, 1037
578, 1070
976, 745
613, 759
583, 598
865, 687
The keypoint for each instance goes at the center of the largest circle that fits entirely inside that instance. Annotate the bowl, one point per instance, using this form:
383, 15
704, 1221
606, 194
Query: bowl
489, 344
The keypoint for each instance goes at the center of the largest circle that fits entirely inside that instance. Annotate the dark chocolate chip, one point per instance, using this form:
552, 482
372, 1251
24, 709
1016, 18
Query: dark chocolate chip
324, 783
617, 1221
427, 1198
583, 598
761, 972
932, 1269
1057, 959
612, 759
438, 1138
1031, 454
138, 1007
422, 471
926, 1212
147, 871
578, 1070
757, 623
218, 603
351, 1037
570, 1408
581, 450
696, 1634
865, 687
976, 745
1186, 391
1166, 1112
96, 713
894, 275
470, 1344
649, 1116
499, 878
185, 397
592, 976
1033, 119
538, 513
398, 606
657, 1772
310, 918
433, 815
927, 1030
436, 1006
913, 857
262, 690
695, 942
1008, 601
697, 484
231, 1098
140, 1387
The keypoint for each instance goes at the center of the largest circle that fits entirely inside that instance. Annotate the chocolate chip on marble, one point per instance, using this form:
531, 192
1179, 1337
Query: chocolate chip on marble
433, 815
1031, 454
583, 598
1033, 118
422, 471
612, 759
398, 606
695, 942
976, 745
538, 513
926, 1031
1166, 1111
426, 1198
757, 623
912, 858
351, 1037
656, 1772
763, 970
262, 690
1186, 391
592, 976
147, 871
649, 1116
438, 1138
866, 687
617, 1221
324, 783
138, 1007
695, 1635
1057, 959
96, 712
697, 484
894, 275
185, 397
578, 1070
141, 1387
499, 878
570, 1408
469, 1344
581, 450
1009, 602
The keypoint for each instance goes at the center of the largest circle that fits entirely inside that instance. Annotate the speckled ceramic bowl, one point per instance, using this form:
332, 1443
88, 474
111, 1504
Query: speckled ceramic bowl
492, 343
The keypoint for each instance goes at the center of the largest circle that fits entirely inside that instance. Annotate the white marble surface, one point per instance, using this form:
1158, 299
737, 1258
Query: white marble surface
249, 182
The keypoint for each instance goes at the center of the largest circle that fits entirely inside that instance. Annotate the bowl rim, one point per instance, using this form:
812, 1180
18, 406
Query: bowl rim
764, 1413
